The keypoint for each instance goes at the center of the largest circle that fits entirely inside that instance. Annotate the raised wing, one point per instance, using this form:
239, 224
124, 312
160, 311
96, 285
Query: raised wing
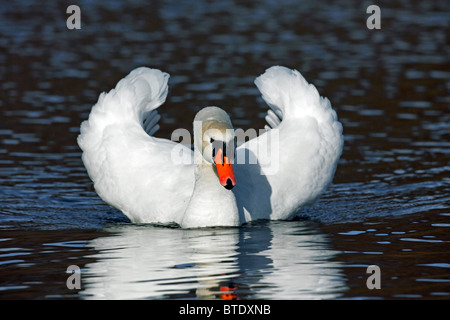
293, 162
131, 169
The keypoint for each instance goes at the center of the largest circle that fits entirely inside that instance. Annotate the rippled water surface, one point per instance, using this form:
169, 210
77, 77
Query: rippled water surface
389, 202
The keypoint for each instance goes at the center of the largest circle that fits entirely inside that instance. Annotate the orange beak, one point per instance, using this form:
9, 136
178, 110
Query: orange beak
224, 170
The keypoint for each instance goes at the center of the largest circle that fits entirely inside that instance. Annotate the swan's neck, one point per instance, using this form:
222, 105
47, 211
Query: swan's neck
210, 204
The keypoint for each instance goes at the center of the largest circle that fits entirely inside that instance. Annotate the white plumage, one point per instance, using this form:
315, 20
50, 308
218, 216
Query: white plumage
135, 172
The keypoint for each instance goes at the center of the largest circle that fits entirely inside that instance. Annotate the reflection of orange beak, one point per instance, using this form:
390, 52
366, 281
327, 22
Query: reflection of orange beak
224, 170
228, 293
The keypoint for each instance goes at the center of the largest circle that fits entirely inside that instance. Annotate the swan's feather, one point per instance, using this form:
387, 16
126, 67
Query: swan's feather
297, 156
131, 169
137, 173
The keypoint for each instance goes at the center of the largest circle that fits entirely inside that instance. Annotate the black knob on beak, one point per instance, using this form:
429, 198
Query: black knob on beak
229, 184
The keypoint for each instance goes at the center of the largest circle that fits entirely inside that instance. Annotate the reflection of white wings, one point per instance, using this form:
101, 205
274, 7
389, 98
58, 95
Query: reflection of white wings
140, 262
137, 262
132, 170
296, 157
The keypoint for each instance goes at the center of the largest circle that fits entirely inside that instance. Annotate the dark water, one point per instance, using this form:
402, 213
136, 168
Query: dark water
389, 202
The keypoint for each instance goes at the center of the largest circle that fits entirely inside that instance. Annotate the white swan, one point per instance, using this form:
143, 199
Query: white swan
285, 168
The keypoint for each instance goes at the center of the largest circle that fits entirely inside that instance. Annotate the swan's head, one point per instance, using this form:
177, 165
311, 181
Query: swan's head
214, 138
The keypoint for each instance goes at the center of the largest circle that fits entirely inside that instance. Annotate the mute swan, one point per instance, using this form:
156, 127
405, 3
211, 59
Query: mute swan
285, 168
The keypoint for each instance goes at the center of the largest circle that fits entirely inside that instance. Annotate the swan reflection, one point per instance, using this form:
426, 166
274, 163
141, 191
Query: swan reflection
276, 260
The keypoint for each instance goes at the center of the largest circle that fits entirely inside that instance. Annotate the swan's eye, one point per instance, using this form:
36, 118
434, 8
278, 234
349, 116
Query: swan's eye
224, 150
216, 145
211, 140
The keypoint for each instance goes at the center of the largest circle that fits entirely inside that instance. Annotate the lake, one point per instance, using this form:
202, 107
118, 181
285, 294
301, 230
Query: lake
388, 205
